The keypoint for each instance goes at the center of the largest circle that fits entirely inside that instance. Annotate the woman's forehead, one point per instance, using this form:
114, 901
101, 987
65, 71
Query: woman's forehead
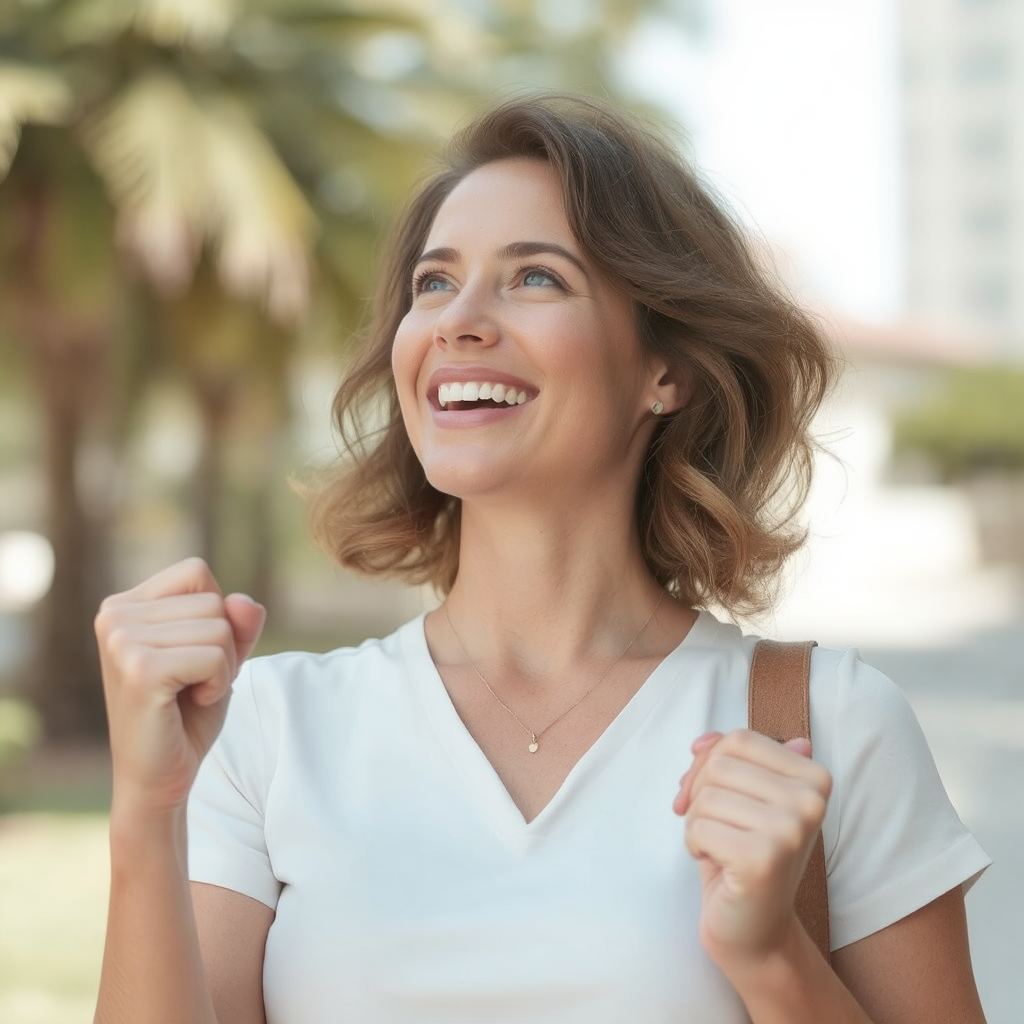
505, 197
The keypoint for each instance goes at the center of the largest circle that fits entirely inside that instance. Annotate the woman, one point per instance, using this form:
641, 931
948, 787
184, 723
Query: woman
595, 401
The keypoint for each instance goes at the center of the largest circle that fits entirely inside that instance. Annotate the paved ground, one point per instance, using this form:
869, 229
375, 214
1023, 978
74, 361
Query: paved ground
970, 700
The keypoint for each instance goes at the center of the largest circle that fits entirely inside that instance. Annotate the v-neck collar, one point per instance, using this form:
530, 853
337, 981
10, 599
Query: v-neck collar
479, 774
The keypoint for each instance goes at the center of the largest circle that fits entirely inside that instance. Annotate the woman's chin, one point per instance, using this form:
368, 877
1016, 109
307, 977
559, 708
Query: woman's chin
464, 483
472, 478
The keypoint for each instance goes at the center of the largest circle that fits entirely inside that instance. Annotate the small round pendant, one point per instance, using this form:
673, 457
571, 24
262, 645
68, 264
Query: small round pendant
533, 747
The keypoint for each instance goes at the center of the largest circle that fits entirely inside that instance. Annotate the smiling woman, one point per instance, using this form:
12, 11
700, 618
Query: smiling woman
634, 224
597, 426
531, 316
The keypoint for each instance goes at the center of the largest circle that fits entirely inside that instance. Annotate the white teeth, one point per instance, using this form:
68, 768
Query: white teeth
472, 391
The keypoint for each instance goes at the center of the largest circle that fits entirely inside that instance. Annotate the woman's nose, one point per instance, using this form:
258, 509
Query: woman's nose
468, 319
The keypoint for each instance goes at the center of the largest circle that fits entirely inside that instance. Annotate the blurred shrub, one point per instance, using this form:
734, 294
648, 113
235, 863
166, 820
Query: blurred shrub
20, 730
972, 423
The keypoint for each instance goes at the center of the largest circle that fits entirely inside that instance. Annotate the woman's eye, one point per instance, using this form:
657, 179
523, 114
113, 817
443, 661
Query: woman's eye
429, 282
535, 278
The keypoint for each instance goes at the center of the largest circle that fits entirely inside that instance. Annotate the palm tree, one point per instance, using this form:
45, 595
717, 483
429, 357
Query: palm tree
137, 140
216, 171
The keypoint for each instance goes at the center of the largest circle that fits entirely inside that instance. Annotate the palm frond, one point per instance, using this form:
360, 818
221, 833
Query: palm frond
264, 226
28, 95
198, 24
143, 147
94, 21
184, 170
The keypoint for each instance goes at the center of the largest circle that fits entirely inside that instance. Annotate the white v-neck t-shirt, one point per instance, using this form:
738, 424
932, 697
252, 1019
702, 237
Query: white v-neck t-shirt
345, 792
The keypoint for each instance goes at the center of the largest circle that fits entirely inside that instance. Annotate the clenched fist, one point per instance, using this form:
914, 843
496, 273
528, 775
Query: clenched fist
170, 649
753, 809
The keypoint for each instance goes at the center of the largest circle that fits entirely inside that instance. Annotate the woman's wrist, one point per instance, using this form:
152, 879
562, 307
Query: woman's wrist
791, 983
746, 965
139, 831
752, 969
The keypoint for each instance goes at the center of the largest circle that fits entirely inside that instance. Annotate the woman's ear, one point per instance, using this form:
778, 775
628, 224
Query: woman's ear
671, 388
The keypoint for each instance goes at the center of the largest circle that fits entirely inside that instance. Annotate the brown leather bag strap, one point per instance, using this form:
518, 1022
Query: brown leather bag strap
778, 705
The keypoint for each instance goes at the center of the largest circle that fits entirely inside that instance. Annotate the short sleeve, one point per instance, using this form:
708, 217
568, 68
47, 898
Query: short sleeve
893, 840
226, 839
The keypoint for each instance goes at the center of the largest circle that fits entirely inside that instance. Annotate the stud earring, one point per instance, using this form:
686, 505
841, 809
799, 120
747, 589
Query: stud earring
657, 408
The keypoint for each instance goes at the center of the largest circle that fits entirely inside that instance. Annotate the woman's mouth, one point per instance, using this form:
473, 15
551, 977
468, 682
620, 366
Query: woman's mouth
478, 395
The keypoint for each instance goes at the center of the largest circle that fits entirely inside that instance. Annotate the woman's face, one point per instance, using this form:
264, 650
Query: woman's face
517, 366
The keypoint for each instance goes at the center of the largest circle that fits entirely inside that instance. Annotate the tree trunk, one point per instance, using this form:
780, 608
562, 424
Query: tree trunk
263, 502
214, 399
67, 347
65, 685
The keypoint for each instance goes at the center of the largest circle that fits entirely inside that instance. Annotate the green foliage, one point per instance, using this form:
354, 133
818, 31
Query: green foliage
20, 730
974, 421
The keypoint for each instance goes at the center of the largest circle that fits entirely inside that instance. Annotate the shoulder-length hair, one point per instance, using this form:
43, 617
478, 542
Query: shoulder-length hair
723, 478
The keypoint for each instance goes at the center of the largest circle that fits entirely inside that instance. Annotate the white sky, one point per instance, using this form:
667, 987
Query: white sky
792, 108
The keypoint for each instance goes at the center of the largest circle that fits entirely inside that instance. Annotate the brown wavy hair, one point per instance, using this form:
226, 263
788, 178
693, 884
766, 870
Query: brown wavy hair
723, 478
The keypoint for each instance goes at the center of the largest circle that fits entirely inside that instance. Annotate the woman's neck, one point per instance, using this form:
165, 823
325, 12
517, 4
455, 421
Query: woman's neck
536, 596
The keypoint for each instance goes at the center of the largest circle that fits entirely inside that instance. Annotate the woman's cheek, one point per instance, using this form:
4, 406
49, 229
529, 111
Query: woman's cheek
405, 363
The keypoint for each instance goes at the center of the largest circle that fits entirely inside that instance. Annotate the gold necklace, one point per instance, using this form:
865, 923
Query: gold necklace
534, 745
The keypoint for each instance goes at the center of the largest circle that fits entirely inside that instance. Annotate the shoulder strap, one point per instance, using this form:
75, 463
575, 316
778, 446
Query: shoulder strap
778, 705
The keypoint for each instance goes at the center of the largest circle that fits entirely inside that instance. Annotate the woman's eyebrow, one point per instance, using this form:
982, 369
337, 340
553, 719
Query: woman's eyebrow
521, 250
442, 255
512, 251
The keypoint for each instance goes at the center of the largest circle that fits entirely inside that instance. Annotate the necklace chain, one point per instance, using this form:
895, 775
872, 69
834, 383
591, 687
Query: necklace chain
535, 736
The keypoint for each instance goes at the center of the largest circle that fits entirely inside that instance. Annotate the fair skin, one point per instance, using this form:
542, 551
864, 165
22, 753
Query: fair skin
551, 587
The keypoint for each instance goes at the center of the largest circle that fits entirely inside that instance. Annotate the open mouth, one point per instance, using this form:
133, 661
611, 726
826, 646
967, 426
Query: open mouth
474, 395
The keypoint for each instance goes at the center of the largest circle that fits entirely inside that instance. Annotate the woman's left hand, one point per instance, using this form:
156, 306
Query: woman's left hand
753, 808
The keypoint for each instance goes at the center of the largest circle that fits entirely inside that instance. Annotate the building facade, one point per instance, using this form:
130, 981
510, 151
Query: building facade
963, 106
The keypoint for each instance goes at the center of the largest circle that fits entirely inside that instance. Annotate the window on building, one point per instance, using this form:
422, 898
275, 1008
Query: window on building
987, 141
988, 296
987, 219
985, 63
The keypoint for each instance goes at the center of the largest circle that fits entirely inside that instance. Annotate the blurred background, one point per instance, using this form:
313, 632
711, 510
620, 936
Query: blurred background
192, 194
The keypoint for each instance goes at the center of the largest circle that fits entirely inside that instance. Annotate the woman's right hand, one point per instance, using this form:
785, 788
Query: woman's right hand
170, 649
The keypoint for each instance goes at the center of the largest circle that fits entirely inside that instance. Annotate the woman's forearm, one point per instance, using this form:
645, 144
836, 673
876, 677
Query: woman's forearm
796, 986
152, 967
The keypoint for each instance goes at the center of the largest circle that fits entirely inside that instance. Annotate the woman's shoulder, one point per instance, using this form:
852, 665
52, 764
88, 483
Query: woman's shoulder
298, 674
850, 692
834, 670
847, 693
839, 676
